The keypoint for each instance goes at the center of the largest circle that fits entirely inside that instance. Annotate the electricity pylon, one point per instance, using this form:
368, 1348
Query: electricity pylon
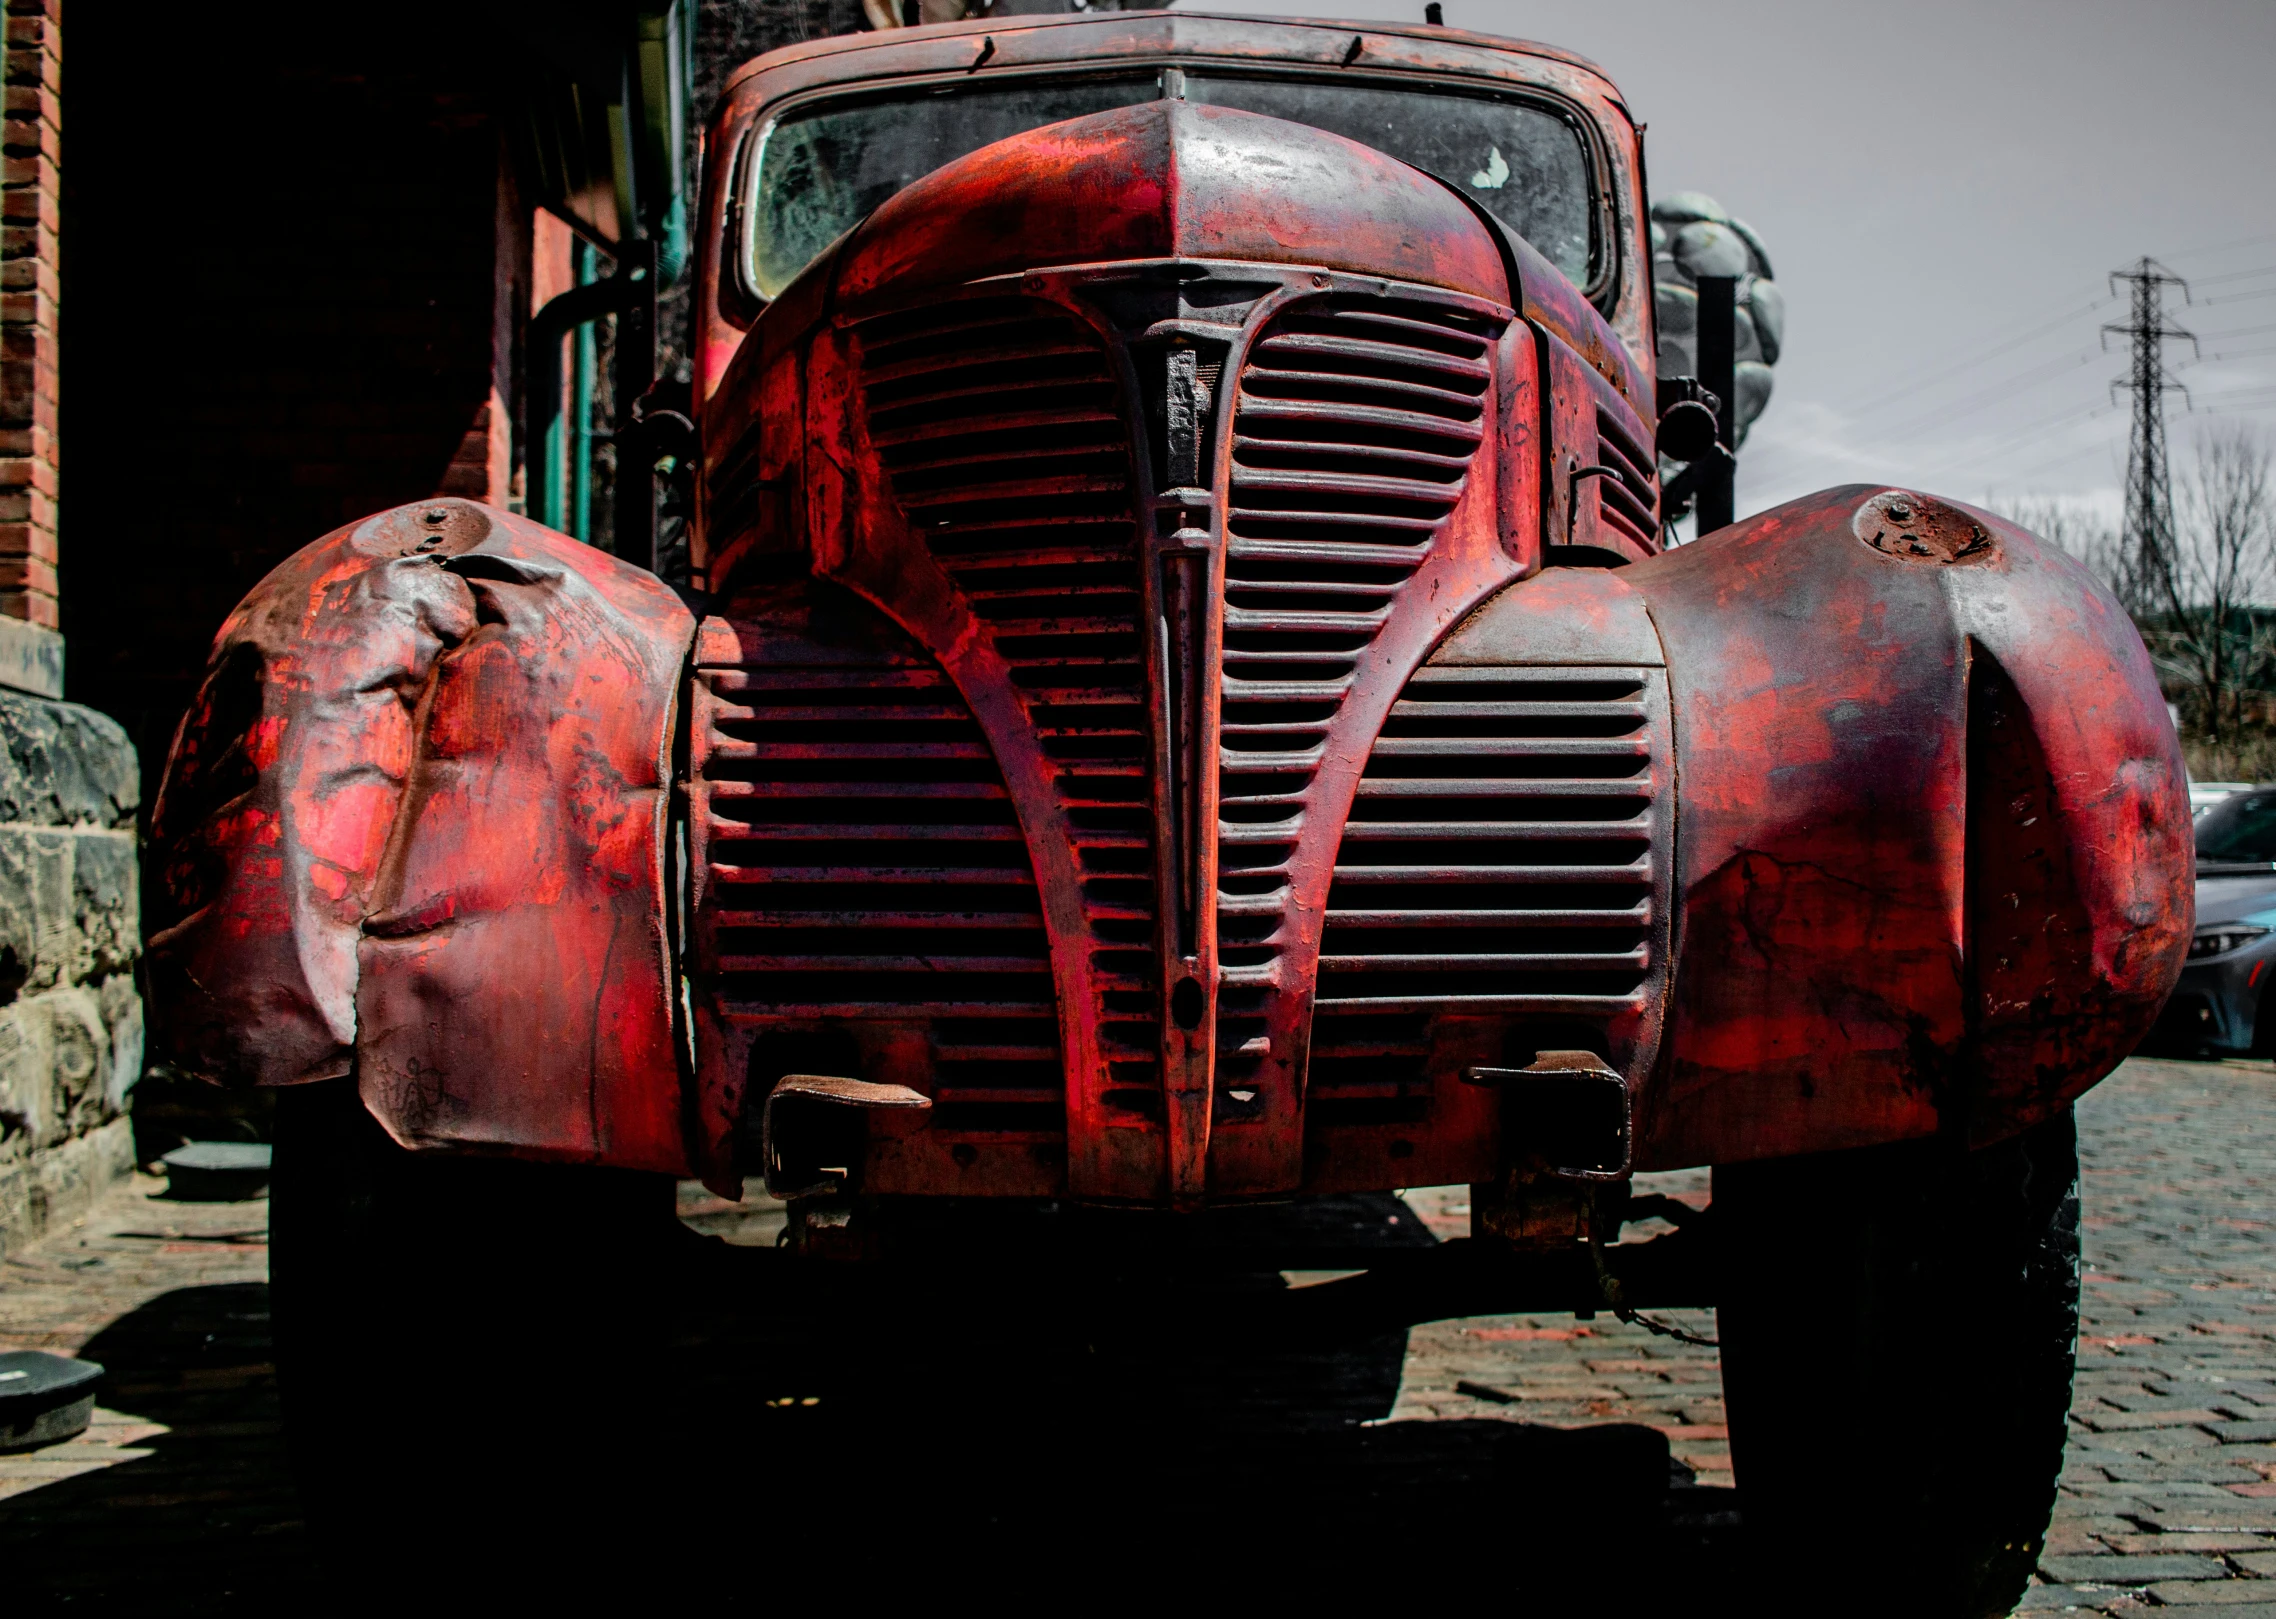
2149, 582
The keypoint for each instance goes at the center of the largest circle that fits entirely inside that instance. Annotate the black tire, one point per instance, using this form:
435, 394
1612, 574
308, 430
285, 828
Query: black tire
469, 1353
1899, 1329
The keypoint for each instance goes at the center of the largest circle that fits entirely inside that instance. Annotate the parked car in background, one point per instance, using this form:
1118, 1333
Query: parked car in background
2203, 795
2224, 988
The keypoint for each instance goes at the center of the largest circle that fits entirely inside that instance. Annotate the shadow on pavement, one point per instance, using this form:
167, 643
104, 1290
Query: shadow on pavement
1078, 1427
208, 1520
1086, 1424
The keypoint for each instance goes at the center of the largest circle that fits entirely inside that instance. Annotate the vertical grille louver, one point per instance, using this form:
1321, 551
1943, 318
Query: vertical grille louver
1628, 501
1353, 431
1499, 859
865, 863
1000, 427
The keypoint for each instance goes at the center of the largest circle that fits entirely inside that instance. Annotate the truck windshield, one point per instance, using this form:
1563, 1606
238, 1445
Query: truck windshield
823, 168
2239, 830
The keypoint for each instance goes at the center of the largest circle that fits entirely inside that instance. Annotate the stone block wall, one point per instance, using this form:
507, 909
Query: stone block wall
70, 936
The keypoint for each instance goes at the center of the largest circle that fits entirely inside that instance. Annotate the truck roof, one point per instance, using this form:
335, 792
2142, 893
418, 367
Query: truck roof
1147, 33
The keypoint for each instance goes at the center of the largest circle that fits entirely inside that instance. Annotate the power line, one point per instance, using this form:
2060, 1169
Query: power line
2021, 382
2220, 247
1974, 360
2234, 275
2238, 354
2067, 455
2034, 433
2242, 331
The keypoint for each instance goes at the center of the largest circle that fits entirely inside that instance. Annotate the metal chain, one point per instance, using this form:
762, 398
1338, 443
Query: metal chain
1608, 1290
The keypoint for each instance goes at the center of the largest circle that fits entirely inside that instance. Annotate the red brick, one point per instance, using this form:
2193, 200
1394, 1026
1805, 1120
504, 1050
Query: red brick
33, 606
21, 205
26, 539
27, 472
30, 135
27, 573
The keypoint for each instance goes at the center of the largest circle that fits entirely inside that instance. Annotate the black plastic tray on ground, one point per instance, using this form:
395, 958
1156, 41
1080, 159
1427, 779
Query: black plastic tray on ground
44, 1398
217, 1171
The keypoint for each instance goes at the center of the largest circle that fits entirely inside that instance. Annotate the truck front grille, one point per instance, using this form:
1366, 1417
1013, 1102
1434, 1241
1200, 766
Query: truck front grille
864, 862
1000, 426
1498, 861
1353, 431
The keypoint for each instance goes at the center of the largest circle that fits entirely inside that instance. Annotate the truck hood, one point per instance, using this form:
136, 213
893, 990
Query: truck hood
1169, 179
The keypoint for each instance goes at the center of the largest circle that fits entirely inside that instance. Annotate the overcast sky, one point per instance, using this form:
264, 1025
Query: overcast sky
1944, 187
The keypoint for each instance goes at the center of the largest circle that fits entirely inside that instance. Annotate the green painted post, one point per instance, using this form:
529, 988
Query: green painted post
581, 411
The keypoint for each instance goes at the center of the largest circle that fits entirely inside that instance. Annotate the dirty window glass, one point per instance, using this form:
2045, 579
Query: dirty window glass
1525, 165
822, 170
2240, 828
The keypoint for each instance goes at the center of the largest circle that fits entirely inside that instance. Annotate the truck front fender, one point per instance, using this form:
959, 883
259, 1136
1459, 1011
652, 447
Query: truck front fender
414, 827
1933, 865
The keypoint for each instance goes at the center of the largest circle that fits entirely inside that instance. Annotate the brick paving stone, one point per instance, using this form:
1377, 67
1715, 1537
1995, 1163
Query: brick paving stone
2114, 1569
2152, 1471
2087, 1536
2223, 1593
2181, 1541
2210, 1516
2128, 1421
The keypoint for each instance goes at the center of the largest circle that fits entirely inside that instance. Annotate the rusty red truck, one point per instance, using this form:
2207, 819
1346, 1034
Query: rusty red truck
1184, 701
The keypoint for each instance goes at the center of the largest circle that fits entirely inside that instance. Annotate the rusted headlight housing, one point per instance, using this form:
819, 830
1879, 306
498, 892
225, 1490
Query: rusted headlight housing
2219, 938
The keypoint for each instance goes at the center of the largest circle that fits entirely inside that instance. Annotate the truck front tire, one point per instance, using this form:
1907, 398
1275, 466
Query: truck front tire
1899, 1328
469, 1354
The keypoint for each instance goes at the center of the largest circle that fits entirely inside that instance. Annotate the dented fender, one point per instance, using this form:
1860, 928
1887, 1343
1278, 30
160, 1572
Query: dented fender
415, 827
1933, 857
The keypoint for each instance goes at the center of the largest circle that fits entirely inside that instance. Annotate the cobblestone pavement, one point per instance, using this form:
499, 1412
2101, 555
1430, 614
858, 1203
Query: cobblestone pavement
2169, 1483
1057, 1423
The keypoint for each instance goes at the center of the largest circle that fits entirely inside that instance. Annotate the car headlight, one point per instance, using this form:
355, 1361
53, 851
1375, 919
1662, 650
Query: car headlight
2220, 938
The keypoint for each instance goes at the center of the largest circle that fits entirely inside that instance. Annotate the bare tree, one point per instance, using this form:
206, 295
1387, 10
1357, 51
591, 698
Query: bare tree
2086, 535
2208, 620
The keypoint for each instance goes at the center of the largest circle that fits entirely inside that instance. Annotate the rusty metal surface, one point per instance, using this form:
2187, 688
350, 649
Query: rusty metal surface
783, 1155
1189, 675
415, 825
1935, 844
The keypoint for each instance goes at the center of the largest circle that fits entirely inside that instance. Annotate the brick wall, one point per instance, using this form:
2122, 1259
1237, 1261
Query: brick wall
30, 200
